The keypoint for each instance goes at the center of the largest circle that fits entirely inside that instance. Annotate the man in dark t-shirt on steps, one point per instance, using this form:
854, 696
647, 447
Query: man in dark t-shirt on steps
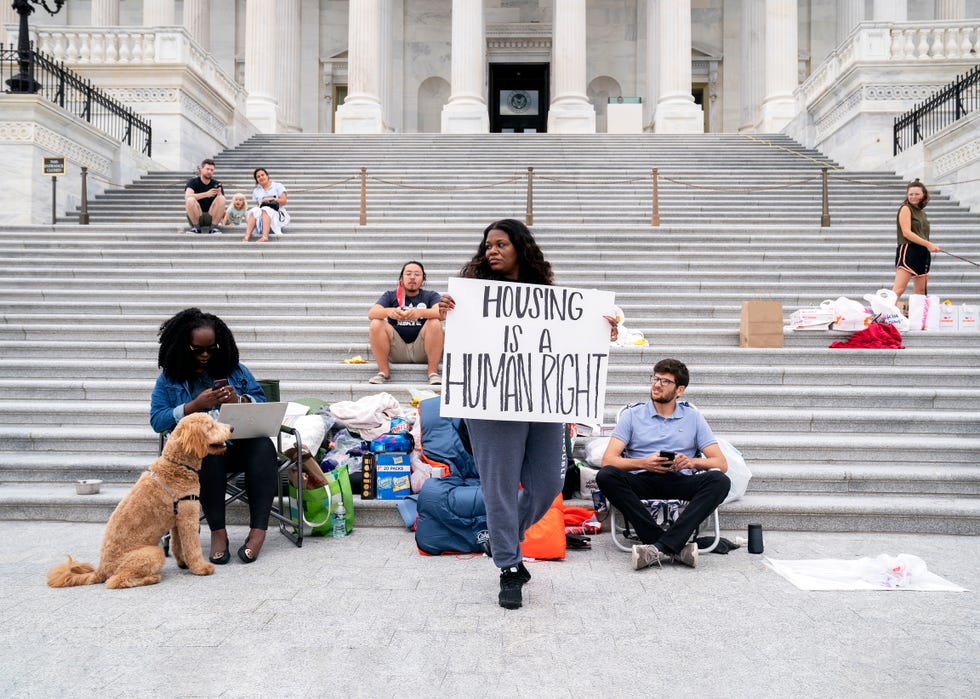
406, 327
204, 194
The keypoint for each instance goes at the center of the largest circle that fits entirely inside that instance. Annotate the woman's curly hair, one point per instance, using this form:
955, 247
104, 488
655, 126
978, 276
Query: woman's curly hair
532, 267
175, 356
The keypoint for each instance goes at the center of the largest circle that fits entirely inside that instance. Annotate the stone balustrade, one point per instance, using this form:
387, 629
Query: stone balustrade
136, 46
890, 42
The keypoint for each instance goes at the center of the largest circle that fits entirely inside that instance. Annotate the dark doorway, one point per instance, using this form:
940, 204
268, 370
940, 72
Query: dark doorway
519, 97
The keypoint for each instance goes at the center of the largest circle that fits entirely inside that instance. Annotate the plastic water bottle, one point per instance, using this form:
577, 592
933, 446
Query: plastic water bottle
339, 521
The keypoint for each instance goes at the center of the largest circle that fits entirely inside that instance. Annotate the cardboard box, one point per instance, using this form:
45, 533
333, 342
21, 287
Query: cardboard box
762, 324
394, 471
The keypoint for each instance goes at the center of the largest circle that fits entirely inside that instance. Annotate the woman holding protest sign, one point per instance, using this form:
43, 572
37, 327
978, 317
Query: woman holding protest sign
521, 464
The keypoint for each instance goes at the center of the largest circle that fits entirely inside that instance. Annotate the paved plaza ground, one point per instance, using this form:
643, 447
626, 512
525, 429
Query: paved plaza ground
367, 616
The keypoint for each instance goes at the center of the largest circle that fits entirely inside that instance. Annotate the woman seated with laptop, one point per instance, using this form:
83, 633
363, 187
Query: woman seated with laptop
199, 359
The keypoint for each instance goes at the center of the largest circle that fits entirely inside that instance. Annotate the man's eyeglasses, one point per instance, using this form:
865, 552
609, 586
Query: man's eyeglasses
210, 349
666, 382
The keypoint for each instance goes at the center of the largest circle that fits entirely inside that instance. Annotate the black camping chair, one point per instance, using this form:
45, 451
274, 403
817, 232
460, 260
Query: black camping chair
281, 508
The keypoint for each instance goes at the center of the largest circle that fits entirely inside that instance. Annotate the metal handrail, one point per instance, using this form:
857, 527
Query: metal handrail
57, 84
934, 114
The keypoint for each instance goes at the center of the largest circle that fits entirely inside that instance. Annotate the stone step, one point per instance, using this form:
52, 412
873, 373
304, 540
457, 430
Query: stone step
351, 332
865, 479
946, 449
723, 419
832, 436
911, 514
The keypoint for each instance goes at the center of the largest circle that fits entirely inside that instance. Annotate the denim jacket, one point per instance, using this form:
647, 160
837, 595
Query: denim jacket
169, 396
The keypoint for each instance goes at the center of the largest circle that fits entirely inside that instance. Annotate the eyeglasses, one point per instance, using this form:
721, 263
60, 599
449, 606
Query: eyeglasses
210, 349
666, 382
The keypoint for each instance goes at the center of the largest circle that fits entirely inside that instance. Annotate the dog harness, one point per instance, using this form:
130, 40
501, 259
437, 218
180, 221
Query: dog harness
171, 493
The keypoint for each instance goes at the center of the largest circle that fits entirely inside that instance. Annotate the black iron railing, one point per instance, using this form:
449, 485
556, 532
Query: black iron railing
953, 102
39, 74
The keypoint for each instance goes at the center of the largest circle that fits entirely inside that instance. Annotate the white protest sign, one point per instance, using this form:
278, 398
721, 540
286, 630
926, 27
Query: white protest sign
525, 352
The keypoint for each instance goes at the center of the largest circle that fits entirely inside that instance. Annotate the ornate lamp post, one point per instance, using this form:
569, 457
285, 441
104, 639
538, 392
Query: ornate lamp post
24, 81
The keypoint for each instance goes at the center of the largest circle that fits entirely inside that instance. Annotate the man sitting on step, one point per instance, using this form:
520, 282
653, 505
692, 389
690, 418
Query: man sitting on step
406, 327
204, 195
652, 455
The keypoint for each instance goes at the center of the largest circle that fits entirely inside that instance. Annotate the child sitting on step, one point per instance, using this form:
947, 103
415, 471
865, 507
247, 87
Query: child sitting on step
236, 212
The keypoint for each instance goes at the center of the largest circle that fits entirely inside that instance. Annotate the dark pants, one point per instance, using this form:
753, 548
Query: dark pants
256, 458
625, 491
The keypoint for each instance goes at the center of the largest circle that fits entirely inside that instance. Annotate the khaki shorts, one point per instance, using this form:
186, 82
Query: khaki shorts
405, 353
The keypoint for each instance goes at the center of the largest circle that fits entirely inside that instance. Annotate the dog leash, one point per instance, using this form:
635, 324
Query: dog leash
171, 493
961, 258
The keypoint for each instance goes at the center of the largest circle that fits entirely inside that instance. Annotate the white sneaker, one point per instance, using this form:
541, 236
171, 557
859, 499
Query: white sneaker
646, 555
688, 555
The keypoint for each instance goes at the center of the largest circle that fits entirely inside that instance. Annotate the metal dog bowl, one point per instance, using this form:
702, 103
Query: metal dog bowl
87, 487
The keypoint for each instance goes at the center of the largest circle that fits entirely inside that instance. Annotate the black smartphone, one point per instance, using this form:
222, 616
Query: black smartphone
669, 455
219, 383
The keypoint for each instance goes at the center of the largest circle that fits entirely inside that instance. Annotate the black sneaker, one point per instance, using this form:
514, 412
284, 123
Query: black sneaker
215, 229
196, 229
511, 582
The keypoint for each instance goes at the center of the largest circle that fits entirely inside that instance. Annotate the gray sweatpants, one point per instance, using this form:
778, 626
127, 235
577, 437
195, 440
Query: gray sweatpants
509, 454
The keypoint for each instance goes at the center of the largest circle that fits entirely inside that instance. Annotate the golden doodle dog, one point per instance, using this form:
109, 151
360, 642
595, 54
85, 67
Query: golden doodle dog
164, 498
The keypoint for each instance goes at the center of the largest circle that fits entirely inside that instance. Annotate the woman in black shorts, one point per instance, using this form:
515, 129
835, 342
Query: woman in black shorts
914, 253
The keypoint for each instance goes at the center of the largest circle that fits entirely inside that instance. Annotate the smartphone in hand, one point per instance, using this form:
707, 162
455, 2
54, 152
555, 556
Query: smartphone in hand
669, 455
219, 383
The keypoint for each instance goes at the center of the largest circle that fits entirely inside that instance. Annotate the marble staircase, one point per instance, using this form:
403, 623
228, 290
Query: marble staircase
884, 440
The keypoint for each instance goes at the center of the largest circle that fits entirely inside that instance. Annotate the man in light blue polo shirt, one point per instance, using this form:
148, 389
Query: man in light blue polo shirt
654, 455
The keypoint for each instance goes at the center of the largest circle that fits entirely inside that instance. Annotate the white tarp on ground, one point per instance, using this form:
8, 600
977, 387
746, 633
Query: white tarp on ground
885, 572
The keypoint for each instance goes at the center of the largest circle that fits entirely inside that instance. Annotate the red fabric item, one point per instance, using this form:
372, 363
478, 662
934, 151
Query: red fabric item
875, 336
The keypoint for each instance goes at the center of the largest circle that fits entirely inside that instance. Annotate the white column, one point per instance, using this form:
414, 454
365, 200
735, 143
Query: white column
676, 110
361, 111
890, 11
159, 13
261, 65
950, 9
849, 14
570, 110
653, 65
197, 21
466, 111
289, 14
7, 16
779, 105
753, 76
105, 13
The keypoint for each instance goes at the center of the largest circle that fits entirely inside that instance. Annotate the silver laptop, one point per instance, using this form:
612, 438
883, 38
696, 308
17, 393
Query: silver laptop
253, 419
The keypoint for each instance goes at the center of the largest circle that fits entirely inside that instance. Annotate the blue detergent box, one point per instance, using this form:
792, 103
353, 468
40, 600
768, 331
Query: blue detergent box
394, 470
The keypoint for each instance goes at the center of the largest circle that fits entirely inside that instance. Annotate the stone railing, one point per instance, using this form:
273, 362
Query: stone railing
136, 46
893, 42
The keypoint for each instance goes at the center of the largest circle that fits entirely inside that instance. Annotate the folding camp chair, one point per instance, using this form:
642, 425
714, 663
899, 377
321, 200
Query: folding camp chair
664, 512
235, 485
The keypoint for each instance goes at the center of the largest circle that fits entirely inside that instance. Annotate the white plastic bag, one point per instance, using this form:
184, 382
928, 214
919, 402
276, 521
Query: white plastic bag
949, 317
851, 315
594, 449
882, 304
892, 571
738, 472
924, 312
969, 316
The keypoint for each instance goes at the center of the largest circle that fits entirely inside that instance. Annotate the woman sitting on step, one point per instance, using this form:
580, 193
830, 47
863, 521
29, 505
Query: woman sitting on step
201, 371
269, 214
